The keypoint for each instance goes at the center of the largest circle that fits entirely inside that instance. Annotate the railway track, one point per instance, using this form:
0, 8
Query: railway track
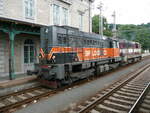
23, 97
126, 96
13, 101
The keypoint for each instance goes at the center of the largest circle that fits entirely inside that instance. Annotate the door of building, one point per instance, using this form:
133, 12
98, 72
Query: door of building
29, 57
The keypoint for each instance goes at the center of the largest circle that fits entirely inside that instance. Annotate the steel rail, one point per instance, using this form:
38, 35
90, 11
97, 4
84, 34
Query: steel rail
20, 92
31, 99
101, 99
138, 102
28, 100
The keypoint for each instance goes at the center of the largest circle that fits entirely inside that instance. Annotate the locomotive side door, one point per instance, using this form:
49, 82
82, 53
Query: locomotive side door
115, 48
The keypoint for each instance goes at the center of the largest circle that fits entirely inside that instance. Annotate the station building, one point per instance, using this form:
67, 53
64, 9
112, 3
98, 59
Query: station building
20, 23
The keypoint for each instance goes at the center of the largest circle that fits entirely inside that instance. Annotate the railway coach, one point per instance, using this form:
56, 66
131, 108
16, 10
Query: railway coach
67, 54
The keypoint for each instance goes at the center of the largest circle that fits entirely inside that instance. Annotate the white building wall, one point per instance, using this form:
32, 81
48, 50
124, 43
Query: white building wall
14, 9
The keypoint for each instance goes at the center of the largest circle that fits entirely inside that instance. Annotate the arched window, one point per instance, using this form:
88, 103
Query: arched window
29, 51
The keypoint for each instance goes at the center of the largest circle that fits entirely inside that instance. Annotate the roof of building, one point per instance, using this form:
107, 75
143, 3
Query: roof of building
20, 22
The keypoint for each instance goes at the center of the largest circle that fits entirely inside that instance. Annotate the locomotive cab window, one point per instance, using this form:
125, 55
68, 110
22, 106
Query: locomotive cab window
115, 44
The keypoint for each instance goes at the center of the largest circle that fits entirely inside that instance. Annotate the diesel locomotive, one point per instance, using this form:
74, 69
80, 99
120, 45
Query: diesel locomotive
67, 54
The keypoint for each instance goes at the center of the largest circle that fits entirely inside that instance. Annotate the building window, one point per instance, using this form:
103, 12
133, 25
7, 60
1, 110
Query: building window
60, 15
56, 14
1, 6
64, 16
29, 51
80, 21
29, 8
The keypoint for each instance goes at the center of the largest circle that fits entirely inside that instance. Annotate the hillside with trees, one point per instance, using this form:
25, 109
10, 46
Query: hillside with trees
139, 33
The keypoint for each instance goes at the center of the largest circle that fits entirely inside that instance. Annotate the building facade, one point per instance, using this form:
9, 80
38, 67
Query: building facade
74, 13
20, 22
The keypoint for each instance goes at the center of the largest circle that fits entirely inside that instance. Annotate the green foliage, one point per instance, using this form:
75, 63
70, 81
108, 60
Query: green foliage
139, 33
95, 26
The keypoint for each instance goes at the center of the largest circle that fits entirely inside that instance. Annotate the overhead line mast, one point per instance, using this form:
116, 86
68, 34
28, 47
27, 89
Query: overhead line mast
114, 25
100, 19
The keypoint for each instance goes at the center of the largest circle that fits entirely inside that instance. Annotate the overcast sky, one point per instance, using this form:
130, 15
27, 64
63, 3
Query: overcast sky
127, 11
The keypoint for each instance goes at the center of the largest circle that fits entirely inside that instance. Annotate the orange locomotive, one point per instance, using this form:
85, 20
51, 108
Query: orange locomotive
67, 54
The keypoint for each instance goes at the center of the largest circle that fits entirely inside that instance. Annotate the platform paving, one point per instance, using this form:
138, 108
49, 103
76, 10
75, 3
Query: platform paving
71, 96
6, 78
18, 81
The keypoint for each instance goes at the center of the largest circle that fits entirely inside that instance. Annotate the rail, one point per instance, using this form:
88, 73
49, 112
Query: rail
135, 107
101, 99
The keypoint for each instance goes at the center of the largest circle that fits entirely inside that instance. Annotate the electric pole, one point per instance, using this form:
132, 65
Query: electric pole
100, 19
90, 16
114, 25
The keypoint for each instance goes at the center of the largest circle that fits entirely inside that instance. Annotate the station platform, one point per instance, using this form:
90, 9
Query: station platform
5, 82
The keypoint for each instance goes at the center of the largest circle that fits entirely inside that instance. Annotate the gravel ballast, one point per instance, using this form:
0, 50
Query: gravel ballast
77, 94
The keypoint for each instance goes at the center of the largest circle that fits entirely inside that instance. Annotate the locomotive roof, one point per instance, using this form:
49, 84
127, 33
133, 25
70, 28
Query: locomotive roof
75, 31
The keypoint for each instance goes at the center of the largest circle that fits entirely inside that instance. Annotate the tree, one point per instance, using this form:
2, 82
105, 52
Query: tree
138, 33
95, 26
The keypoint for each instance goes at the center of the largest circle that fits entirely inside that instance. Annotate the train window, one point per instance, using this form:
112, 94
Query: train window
114, 44
129, 45
136, 46
106, 45
88, 42
64, 40
83, 41
111, 44
70, 41
78, 42
60, 39
102, 44
121, 45
93, 42
117, 44
97, 43
67, 40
